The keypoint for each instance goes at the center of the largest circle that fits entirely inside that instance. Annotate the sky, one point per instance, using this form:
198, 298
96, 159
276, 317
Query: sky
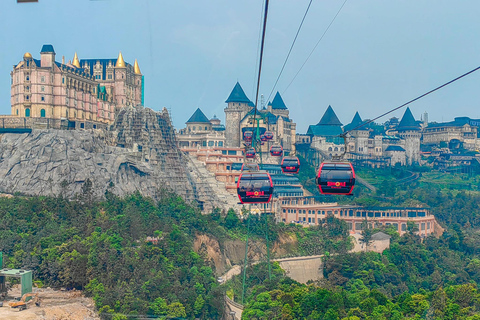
375, 56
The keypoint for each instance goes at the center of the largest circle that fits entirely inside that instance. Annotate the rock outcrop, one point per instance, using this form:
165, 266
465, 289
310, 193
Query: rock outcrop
139, 153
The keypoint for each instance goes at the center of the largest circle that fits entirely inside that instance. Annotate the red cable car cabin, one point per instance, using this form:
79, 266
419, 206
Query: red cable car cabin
336, 178
276, 151
250, 166
290, 165
263, 138
250, 154
268, 135
254, 187
247, 135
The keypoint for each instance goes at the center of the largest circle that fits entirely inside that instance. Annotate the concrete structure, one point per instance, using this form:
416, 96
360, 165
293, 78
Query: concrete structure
80, 91
25, 277
379, 242
303, 269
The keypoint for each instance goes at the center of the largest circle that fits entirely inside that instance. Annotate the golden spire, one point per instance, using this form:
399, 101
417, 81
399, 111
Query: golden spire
27, 55
120, 61
76, 62
136, 68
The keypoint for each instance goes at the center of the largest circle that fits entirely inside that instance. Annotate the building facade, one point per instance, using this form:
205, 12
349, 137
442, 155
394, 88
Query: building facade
79, 91
201, 132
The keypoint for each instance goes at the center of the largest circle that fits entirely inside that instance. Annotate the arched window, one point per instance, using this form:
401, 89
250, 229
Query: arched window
330, 149
42, 113
27, 112
17, 112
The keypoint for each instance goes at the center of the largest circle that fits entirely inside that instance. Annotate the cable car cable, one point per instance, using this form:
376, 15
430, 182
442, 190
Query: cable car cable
258, 48
413, 100
290, 51
331, 22
260, 69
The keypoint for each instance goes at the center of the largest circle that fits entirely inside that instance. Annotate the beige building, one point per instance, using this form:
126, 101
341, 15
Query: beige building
82, 92
201, 132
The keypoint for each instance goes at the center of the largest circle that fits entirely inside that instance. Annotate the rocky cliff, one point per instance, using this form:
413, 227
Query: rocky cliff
139, 153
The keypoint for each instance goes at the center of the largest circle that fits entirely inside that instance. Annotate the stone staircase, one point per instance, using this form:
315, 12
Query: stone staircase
209, 186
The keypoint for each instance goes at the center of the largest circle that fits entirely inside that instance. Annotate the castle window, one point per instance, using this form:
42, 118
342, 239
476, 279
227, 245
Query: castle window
27, 97
27, 78
27, 112
42, 79
42, 88
42, 113
17, 112
109, 76
63, 80
42, 98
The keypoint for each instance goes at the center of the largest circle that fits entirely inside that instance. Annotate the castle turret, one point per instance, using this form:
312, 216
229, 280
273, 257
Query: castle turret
409, 130
47, 56
238, 107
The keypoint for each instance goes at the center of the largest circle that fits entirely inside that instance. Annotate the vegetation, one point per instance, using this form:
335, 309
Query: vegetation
102, 248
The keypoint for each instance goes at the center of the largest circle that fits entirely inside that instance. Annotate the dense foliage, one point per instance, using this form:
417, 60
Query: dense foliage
102, 248
434, 279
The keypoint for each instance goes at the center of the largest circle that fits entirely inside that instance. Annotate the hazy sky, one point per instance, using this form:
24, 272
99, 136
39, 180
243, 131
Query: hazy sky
377, 54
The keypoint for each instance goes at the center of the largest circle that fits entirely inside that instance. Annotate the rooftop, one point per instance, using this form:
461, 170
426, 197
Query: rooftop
238, 95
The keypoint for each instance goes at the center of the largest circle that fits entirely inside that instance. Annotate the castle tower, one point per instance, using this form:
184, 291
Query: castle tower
138, 84
238, 107
409, 130
359, 135
278, 107
47, 56
120, 81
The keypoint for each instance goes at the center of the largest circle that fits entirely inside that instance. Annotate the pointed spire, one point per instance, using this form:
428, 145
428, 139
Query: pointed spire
120, 61
329, 118
136, 68
357, 120
76, 62
408, 122
278, 103
198, 117
238, 95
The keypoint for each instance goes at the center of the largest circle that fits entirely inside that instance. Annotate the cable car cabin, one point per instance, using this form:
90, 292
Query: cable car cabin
254, 187
263, 138
248, 135
336, 178
250, 166
276, 151
290, 165
250, 154
268, 135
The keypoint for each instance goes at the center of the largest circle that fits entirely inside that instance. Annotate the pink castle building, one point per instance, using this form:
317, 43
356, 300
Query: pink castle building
83, 92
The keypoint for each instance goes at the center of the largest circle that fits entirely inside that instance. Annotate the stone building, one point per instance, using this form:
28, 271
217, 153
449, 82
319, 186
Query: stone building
239, 115
325, 135
400, 143
409, 130
460, 133
238, 105
80, 91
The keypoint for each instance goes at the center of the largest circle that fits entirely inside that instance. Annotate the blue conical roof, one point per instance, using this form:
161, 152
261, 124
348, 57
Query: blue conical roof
198, 117
356, 121
329, 118
278, 103
238, 95
408, 122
